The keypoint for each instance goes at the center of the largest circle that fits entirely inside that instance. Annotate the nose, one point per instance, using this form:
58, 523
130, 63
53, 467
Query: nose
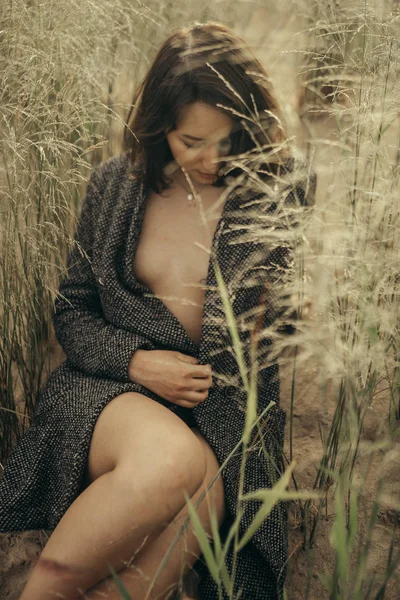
209, 155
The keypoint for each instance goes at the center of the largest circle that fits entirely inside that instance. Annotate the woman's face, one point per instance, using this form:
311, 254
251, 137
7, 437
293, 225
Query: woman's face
201, 138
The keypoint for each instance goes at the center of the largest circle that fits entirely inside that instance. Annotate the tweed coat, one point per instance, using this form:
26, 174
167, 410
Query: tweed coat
102, 315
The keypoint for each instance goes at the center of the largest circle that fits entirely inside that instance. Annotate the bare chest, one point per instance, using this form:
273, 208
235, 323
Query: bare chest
172, 255
175, 241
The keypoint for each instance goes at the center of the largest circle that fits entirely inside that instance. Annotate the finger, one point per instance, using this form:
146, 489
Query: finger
194, 396
187, 358
200, 384
186, 404
200, 371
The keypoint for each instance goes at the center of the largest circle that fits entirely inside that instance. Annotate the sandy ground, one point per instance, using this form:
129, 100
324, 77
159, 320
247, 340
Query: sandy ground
18, 552
308, 411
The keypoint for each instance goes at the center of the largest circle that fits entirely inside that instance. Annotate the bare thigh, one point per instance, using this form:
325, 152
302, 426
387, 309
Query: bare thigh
128, 426
133, 428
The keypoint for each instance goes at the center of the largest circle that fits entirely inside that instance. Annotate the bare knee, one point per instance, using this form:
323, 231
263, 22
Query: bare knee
141, 435
157, 453
216, 493
173, 464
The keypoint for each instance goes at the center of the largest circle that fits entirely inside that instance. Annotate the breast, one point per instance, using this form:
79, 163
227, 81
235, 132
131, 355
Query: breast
172, 257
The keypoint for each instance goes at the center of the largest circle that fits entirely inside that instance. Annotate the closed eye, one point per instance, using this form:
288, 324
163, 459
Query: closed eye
223, 143
190, 145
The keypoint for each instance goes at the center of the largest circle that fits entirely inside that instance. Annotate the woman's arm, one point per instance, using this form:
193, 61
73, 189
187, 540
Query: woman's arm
91, 343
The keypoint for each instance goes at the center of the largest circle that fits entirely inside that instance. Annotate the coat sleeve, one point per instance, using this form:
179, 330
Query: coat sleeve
90, 343
301, 197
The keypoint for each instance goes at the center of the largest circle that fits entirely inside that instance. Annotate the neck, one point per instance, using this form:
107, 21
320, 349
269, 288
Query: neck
179, 178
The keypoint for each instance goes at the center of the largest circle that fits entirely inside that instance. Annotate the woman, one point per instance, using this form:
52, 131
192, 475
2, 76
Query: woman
149, 402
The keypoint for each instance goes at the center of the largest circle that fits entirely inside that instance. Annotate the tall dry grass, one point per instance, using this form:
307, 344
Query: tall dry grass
62, 109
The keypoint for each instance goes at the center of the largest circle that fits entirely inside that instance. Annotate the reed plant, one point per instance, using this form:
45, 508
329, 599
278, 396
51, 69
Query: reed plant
349, 268
62, 110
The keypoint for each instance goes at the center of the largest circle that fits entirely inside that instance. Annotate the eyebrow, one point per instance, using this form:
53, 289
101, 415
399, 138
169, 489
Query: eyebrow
197, 139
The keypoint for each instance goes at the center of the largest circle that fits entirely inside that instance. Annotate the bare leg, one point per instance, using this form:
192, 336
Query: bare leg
79, 550
138, 578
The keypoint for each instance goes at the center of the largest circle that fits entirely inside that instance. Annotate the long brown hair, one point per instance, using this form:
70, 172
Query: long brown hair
209, 63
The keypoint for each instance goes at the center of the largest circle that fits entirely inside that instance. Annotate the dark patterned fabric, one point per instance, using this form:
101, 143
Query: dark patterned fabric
103, 314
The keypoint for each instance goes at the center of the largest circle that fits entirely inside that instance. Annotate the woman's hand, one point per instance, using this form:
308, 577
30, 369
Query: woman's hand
174, 376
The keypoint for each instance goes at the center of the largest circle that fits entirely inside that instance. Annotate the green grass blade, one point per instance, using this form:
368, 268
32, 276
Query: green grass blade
237, 345
120, 586
203, 540
353, 521
270, 498
338, 534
